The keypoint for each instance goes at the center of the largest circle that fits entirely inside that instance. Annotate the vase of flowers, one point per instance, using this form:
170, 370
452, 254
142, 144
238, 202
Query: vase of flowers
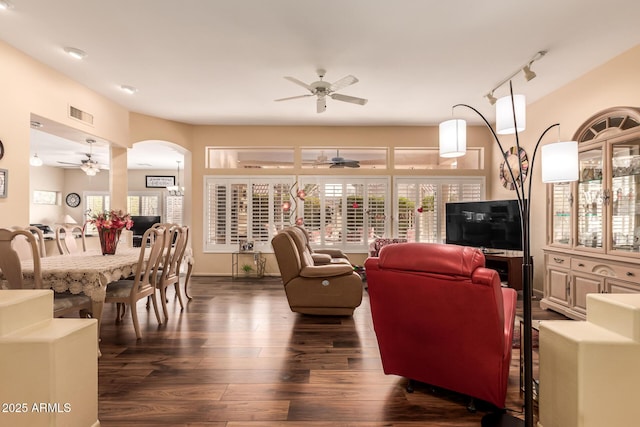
110, 224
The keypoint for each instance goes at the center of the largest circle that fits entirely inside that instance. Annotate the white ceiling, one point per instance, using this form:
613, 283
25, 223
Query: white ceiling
223, 62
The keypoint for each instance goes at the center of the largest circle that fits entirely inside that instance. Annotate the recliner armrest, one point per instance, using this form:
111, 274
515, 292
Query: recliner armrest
329, 270
321, 259
334, 253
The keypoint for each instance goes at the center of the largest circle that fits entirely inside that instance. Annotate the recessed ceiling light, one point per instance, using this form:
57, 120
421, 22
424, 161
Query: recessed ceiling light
4, 5
128, 89
75, 53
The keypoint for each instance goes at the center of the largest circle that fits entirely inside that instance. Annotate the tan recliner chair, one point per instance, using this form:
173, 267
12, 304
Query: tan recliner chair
330, 289
323, 256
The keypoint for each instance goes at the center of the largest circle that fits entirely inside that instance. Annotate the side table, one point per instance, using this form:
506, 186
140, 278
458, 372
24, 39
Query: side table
253, 263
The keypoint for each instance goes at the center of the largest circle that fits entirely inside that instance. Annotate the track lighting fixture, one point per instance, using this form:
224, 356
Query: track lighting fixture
526, 70
528, 74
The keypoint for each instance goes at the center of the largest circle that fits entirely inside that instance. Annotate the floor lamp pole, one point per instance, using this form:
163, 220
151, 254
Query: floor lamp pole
523, 194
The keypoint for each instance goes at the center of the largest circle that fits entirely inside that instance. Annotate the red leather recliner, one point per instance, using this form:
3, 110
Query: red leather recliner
441, 318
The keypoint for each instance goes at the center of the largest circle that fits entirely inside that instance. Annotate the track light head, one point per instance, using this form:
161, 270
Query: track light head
492, 99
528, 74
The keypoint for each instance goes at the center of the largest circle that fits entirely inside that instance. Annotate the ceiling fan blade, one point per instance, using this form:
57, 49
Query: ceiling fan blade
293, 97
353, 164
343, 82
347, 98
300, 83
69, 163
321, 104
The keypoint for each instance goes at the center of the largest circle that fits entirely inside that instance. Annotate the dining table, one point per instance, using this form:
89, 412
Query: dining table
88, 272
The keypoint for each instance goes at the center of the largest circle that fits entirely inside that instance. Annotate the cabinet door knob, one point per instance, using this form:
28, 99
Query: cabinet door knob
630, 274
580, 265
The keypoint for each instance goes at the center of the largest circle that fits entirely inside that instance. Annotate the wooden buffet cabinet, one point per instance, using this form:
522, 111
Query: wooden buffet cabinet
593, 232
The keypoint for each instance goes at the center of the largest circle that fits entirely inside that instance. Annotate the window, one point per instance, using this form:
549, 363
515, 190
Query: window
145, 204
345, 212
420, 205
94, 203
43, 197
429, 158
249, 158
360, 158
245, 209
338, 211
174, 208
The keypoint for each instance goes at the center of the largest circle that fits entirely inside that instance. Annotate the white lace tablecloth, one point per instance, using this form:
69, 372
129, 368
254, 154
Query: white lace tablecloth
89, 273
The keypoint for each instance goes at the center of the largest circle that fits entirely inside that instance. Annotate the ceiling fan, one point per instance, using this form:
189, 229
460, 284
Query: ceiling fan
337, 161
88, 165
322, 90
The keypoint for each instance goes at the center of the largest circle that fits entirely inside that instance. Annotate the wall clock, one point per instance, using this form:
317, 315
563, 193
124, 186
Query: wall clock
513, 162
73, 200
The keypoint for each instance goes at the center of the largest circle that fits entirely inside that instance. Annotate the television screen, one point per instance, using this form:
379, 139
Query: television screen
493, 224
142, 224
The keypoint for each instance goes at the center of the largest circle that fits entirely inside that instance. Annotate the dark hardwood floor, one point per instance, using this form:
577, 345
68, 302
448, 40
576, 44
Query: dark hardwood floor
238, 357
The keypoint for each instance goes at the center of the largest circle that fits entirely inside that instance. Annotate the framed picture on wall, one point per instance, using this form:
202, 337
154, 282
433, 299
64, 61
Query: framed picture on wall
3, 182
160, 181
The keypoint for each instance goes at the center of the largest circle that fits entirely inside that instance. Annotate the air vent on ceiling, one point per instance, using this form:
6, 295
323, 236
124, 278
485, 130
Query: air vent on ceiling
76, 113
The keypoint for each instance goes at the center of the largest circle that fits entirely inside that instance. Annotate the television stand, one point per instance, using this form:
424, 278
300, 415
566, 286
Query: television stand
508, 264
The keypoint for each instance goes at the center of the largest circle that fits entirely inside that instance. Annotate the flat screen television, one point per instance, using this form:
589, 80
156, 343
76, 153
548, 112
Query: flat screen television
142, 224
490, 225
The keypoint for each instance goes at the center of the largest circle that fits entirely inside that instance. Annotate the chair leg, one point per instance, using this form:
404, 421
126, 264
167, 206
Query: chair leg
178, 293
154, 301
134, 316
163, 298
187, 278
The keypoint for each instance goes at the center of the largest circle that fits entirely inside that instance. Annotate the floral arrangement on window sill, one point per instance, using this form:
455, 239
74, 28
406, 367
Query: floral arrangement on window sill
110, 224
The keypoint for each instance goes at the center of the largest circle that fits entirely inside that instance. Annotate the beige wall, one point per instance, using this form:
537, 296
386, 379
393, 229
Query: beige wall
613, 84
29, 87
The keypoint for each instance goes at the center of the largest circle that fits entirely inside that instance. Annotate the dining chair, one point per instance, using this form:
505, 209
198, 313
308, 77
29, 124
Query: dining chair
170, 272
130, 291
23, 247
66, 239
16, 246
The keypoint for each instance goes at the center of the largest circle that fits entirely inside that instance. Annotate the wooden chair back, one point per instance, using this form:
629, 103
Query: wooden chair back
12, 244
66, 239
148, 262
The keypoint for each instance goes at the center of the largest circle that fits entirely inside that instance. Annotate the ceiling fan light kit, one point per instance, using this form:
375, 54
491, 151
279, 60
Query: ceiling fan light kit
322, 89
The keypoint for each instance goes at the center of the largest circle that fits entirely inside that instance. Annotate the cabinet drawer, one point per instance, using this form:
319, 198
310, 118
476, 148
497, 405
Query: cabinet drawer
558, 260
606, 269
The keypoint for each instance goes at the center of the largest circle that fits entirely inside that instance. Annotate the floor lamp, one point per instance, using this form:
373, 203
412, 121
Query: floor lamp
559, 164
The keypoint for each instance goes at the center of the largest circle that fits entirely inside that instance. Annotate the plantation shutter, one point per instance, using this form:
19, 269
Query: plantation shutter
174, 209
420, 205
376, 212
245, 209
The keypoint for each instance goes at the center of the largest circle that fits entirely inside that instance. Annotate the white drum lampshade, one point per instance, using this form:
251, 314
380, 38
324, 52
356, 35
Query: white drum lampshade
453, 138
504, 114
560, 162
